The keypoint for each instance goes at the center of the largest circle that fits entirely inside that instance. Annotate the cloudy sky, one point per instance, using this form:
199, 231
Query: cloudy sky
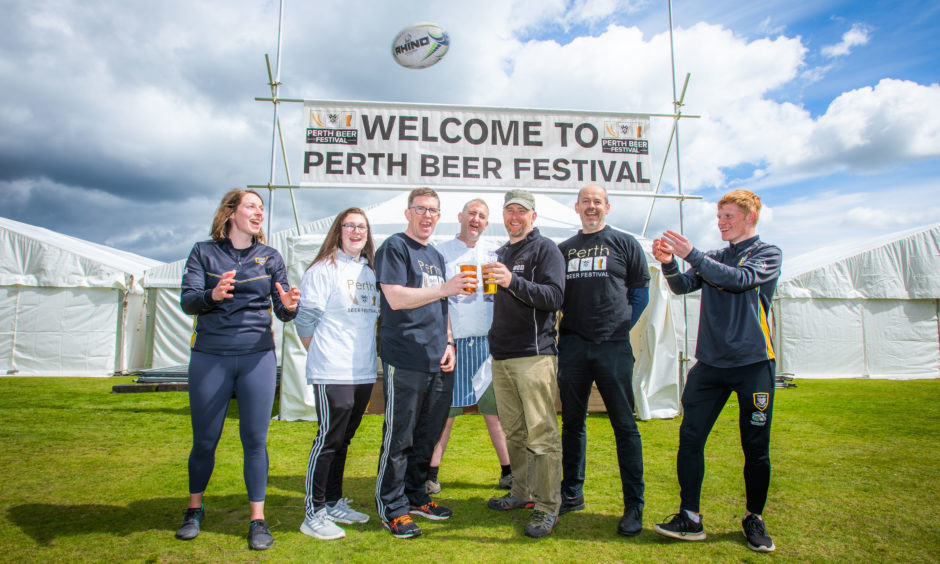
123, 122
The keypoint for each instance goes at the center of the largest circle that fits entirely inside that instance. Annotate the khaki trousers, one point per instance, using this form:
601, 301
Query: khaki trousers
525, 399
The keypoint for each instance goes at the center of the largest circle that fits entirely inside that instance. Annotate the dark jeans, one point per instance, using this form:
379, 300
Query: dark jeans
706, 391
416, 406
609, 364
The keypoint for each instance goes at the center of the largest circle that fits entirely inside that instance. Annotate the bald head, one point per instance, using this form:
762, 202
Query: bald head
592, 208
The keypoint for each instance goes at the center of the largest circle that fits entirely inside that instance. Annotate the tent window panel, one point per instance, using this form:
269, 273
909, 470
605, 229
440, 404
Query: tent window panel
902, 337
172, 330
823, 338
77, 339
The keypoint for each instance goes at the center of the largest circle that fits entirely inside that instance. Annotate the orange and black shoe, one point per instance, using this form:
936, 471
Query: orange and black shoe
432, 511
402, 527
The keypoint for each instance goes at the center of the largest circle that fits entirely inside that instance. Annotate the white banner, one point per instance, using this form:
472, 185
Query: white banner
431, 145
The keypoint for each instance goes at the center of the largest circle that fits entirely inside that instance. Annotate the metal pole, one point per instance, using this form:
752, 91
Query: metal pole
662, 169
686, 357
275, 83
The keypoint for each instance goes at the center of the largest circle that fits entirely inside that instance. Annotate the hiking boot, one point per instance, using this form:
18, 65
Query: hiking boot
192, 518
631, 523
571, 504
342, 513
540, 524
321, 526
507, 502
505, 482
432, 511
259, 537
681, 527
432, 487
757, 537
402, 527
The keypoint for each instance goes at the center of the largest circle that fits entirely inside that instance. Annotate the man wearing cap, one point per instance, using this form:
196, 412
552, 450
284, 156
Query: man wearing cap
606, 291
530, 273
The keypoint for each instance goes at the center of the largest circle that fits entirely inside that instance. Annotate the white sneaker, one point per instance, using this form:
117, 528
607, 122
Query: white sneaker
321, 526
342, 513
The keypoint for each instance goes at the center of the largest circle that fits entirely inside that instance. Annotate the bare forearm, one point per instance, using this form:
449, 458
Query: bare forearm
403, 297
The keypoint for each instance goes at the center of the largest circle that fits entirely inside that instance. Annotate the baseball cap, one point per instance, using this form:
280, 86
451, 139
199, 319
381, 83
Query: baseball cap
522, 197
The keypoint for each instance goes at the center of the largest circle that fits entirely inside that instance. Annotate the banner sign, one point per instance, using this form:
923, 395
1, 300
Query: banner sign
432, 145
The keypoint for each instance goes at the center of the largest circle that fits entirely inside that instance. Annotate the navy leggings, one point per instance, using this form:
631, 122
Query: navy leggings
211, 381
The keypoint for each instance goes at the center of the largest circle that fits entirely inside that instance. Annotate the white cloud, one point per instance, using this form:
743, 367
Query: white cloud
858, 35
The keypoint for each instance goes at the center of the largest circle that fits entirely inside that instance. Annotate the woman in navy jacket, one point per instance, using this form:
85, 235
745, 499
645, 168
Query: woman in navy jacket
229, 285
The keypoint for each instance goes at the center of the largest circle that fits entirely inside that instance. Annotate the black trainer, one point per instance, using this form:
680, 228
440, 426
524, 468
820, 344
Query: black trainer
571, 504
259, 537
192, 519
431, 510
681, 527
631, 523
757, 537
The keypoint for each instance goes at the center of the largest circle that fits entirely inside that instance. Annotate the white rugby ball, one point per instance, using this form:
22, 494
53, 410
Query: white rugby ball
420, 45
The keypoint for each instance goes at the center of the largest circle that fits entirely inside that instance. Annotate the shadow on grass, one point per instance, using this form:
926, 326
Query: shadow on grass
45, 522
357, 484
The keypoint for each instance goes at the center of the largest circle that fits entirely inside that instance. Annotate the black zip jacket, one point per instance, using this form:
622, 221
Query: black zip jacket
524, 314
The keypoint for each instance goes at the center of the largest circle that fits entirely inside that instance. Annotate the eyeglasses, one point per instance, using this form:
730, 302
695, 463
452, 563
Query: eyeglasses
353, 227
421, 210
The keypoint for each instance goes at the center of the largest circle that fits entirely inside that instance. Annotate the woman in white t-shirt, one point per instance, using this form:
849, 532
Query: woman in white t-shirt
339, 305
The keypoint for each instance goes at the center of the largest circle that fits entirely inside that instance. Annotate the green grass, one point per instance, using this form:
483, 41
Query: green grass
88, 475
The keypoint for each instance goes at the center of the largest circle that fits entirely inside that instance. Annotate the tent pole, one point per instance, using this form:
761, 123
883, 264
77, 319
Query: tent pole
275, 84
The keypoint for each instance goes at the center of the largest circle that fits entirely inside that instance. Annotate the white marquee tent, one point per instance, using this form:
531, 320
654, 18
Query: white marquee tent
68, 307
656, 376
865, 310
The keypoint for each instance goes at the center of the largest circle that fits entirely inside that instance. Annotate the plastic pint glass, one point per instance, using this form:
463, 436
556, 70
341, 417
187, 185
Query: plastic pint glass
489, 285
469, 268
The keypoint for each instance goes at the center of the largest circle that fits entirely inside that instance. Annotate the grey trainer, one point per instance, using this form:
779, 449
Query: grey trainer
192, 519
540, 524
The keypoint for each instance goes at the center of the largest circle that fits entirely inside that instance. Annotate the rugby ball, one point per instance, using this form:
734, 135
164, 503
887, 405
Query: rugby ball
420, 45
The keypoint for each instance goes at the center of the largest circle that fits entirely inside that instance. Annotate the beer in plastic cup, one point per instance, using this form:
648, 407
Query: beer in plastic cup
470, 268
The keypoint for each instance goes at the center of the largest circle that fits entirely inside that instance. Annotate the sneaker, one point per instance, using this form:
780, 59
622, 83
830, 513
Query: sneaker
757, 537
540, 524
432, 487
571, 504
192, 518
505, 482
342, 513
402, 527
508, 502
631, 523
259, 537
321, 526
681, 527
432, 511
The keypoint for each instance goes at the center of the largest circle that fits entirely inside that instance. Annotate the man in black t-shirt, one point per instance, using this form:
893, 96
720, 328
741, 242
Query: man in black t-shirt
606, 290
417, 353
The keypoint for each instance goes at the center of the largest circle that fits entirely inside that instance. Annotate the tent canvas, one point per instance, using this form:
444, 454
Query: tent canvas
68, 307
864, 310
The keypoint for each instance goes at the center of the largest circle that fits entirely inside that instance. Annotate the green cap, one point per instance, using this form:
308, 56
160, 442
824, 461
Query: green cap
522, 197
